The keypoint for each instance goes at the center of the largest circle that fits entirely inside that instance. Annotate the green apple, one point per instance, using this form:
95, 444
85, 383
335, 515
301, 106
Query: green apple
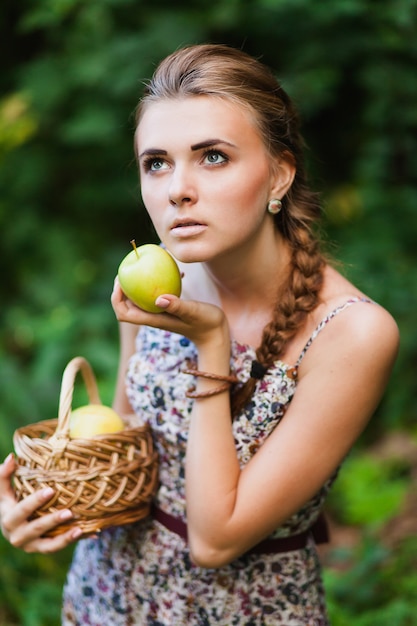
146, 273
94, 419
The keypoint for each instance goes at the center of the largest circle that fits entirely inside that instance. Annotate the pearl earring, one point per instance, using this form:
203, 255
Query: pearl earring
274, 206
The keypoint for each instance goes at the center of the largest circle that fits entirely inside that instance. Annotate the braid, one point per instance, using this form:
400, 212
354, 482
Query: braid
296, 299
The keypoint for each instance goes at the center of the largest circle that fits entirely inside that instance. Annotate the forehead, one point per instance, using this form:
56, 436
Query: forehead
195, 118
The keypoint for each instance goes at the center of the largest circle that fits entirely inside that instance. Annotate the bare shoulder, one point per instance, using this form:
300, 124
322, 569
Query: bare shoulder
363, 328
369, 325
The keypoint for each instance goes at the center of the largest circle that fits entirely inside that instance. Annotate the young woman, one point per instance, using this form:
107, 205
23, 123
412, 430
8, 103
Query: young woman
256, 382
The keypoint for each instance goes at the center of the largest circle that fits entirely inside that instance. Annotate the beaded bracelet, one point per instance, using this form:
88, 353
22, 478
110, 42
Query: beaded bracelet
227, 381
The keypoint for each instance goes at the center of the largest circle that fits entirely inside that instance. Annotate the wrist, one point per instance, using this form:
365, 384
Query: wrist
208, 390
215, 339
215, 358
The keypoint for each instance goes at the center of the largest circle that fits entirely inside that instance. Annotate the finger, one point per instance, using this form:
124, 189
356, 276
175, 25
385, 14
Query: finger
30, 536
166, 302
48, 545
174, 311
124, 309
7, 468
117, 294
116, 285
190, 311
17, 513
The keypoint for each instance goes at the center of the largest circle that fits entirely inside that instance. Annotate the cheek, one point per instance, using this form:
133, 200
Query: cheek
251, 193
151, 206
151, 199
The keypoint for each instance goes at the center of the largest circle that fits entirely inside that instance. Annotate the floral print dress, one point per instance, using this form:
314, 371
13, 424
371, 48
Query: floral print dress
141, 574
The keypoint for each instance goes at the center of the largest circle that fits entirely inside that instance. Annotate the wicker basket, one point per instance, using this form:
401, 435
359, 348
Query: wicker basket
106, 480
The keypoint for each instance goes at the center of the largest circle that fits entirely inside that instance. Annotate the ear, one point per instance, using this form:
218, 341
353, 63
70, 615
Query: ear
282, 175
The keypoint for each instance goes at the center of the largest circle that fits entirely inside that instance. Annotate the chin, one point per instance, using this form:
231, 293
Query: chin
189, 258
194, 253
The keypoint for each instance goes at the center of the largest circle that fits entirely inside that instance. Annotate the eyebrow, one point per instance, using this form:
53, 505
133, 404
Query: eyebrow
152, 152
210, 142
197, 146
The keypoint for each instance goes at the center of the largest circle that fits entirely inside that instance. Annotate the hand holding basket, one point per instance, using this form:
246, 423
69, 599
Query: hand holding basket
106, 480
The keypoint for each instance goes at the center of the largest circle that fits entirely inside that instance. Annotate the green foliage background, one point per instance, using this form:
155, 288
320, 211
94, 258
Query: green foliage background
71, 74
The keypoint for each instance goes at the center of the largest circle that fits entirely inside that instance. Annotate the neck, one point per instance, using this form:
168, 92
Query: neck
248, 286
251, 275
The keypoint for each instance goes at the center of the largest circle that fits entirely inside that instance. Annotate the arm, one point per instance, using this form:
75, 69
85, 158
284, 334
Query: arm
127, 334
341, 381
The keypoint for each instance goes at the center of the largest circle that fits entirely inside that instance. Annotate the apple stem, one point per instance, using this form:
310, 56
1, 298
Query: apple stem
133, 242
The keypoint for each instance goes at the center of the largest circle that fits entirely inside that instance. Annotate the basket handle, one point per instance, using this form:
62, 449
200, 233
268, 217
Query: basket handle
77, 364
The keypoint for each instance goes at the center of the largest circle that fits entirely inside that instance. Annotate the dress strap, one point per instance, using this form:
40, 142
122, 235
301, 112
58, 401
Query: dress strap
326, 320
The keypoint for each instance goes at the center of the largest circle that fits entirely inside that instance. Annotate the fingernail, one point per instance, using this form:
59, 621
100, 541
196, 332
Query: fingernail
48, 492
162, 302
8, 458
64, 515
76, 533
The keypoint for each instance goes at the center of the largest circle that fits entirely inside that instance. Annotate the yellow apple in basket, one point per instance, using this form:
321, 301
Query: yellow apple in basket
149, 271
94, 419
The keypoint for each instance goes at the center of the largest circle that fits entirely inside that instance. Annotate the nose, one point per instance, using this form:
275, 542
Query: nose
182, 188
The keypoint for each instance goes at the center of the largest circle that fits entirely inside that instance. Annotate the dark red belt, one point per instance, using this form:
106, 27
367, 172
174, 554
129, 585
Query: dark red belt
319, 531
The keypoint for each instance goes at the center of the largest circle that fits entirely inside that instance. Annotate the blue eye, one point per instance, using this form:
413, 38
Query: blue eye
214, 157
154, 164
157, 164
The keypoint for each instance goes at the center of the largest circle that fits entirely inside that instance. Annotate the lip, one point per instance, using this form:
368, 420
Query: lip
187, 227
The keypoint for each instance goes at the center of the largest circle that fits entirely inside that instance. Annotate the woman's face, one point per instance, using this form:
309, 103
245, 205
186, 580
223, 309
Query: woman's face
206, 176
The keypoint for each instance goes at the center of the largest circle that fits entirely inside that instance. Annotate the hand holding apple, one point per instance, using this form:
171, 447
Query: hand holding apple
147, 272
94, 419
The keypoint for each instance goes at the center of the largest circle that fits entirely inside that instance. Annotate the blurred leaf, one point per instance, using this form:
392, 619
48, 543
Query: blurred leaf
368, 490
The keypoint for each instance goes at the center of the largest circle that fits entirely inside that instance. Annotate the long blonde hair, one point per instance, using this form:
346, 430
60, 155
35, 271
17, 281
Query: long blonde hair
224, 72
